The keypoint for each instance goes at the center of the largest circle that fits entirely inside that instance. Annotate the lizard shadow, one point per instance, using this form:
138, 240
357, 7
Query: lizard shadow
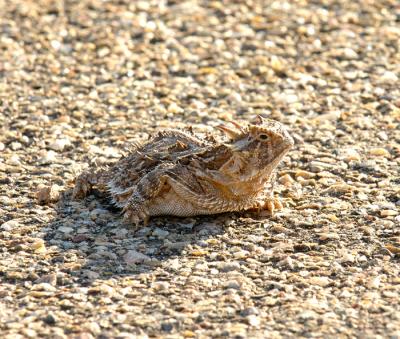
89, 241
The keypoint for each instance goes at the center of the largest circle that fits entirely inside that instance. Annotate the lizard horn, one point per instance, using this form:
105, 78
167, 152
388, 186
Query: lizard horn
229, 131
236, 124
259, 120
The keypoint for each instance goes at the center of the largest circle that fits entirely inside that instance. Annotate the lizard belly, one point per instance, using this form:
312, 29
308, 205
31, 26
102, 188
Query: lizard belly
170, 203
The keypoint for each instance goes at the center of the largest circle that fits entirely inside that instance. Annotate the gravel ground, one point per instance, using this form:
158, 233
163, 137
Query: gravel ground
81, 80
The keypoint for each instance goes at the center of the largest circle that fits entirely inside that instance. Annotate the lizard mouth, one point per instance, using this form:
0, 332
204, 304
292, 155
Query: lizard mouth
240, 145
266, 171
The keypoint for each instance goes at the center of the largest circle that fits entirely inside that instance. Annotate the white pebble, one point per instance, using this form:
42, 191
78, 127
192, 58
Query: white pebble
60, 144
135, 257
47, 157
388, 78
10, 225
320, 281
349, 54
14, 160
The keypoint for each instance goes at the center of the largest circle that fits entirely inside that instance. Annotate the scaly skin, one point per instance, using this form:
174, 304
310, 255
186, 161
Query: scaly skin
177, 173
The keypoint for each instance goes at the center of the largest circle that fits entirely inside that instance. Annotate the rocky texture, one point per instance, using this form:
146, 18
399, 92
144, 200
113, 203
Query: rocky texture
83, 79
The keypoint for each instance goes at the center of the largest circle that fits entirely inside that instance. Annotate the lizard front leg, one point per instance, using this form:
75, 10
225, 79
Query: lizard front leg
268, 201
272, 204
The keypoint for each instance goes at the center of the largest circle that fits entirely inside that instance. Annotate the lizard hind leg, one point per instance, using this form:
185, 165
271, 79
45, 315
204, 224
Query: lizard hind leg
136, 207
135, 210
134, 215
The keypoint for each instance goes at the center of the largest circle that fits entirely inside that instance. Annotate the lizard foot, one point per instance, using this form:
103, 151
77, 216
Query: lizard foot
135, 218
272, 204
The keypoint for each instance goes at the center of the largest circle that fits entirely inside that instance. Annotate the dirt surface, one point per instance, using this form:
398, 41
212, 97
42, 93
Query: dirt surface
81, 80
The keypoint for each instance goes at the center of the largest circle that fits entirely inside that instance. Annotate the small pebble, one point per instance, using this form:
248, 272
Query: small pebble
10, 225
320, 281
388, 213
379, 152
159, 233
47, 157
60, 144
229, 266
388, 78
134, 257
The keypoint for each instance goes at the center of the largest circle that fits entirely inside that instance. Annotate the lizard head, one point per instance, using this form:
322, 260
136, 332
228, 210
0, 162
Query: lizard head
260, 145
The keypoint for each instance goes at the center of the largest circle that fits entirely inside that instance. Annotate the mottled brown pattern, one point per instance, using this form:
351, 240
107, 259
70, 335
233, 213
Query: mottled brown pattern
178, 173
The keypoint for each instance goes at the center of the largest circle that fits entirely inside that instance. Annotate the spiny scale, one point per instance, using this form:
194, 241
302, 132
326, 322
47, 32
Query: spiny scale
180, 173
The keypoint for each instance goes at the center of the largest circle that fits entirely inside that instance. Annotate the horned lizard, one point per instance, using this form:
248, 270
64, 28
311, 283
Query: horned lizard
179, 173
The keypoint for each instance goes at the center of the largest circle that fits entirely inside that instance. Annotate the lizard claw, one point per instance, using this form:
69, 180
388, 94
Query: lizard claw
273, 204
135, 218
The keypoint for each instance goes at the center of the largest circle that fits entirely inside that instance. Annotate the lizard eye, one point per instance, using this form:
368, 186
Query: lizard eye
263, 137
